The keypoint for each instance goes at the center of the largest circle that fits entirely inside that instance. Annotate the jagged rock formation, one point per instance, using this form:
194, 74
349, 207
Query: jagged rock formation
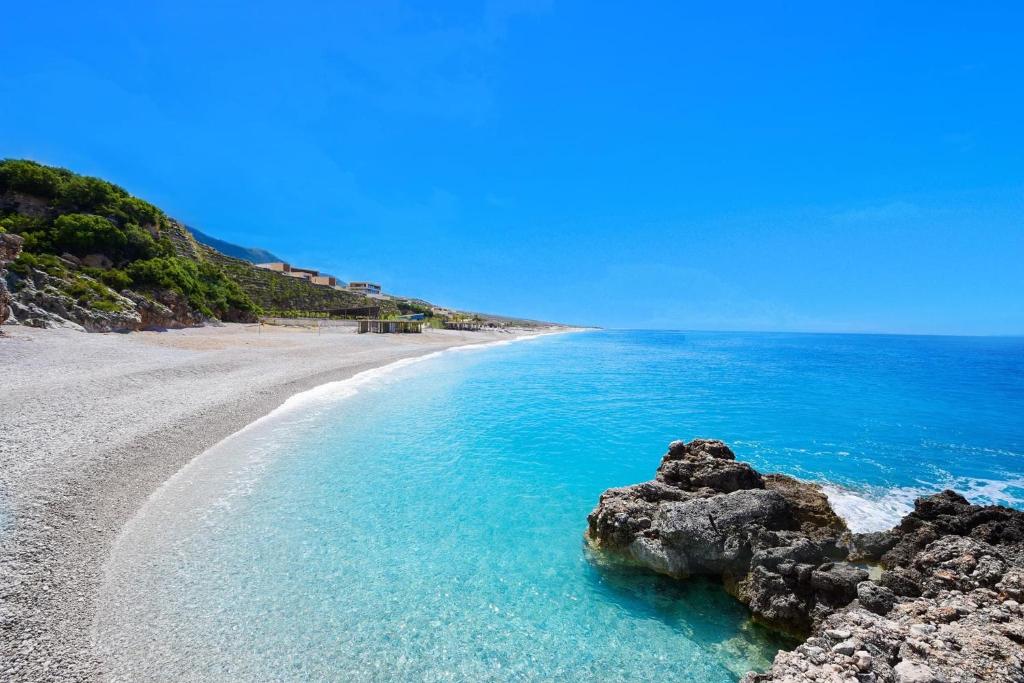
40, 301
944, 608
773, 540
947, 607
10, 248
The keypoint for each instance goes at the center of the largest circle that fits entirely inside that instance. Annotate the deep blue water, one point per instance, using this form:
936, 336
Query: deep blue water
426, 523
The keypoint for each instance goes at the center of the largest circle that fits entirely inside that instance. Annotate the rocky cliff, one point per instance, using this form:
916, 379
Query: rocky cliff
941, 604
10, 249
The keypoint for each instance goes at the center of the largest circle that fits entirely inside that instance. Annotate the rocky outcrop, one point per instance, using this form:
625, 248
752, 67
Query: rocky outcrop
943, 605
10, 249
40, 300
164, 310
26, 205
968, 627
774, 540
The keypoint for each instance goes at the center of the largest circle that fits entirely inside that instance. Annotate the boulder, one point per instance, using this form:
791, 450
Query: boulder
772, 540
704, 463
810, 507
875, 597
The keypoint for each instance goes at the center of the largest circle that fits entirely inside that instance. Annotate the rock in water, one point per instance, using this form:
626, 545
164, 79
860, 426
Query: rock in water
945, 608
773, 540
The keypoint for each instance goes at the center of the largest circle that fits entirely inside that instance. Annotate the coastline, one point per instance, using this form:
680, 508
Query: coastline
95, 424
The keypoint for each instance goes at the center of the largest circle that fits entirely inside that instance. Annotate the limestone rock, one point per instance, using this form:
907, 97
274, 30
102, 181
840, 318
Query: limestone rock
772, 540
704, 463
875, 597
810, 507
10, 249
39, 301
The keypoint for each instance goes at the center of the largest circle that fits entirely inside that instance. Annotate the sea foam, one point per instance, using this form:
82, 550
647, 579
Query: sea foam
879, 509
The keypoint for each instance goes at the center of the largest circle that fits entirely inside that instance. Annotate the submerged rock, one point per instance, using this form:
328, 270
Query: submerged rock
946, 606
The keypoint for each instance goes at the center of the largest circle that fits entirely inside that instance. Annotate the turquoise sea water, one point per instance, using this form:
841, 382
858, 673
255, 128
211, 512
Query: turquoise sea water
424, 523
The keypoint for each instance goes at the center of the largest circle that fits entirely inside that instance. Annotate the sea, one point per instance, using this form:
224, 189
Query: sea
424, 521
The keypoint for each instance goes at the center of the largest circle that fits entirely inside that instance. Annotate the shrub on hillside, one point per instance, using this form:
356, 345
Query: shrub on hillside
204, 285
83, 216
67, 191
27, 262
81, 234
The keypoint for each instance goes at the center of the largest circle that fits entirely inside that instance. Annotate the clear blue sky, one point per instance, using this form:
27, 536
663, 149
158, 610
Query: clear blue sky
781, 166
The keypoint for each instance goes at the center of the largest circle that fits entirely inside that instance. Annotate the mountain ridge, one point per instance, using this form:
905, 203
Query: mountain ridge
250, 254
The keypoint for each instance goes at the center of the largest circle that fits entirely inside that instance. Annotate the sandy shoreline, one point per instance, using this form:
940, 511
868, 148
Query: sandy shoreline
90, 425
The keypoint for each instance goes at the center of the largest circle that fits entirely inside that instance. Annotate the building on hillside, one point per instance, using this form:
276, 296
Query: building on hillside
327, 280
412, 316
277, 266
365, 288
306, 271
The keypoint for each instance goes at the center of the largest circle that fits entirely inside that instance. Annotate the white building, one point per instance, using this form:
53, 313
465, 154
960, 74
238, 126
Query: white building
365, 288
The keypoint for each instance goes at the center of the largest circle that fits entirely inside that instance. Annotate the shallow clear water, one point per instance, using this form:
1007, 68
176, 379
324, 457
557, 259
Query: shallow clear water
425, 522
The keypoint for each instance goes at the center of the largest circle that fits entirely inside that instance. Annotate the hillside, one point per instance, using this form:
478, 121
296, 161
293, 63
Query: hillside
272, 292
250, 254
77, 251
81, 252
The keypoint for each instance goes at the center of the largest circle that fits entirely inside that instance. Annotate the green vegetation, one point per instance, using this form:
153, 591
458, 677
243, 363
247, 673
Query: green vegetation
47, 263
203, 284
80, 215
67, 192
123, 239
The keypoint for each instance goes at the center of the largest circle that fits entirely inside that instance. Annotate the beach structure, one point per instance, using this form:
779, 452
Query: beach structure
413, 316
365, 288
368, 312
464, 325
390, 326
276, 266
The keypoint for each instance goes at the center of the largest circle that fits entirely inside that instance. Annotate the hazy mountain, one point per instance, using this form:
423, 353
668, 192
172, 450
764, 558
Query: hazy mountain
250, 254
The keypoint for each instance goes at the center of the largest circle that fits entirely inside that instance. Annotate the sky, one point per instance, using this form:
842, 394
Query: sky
833, 167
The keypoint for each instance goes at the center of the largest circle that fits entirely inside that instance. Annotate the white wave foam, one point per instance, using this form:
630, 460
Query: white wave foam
875, 511
878, 509
999, 492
